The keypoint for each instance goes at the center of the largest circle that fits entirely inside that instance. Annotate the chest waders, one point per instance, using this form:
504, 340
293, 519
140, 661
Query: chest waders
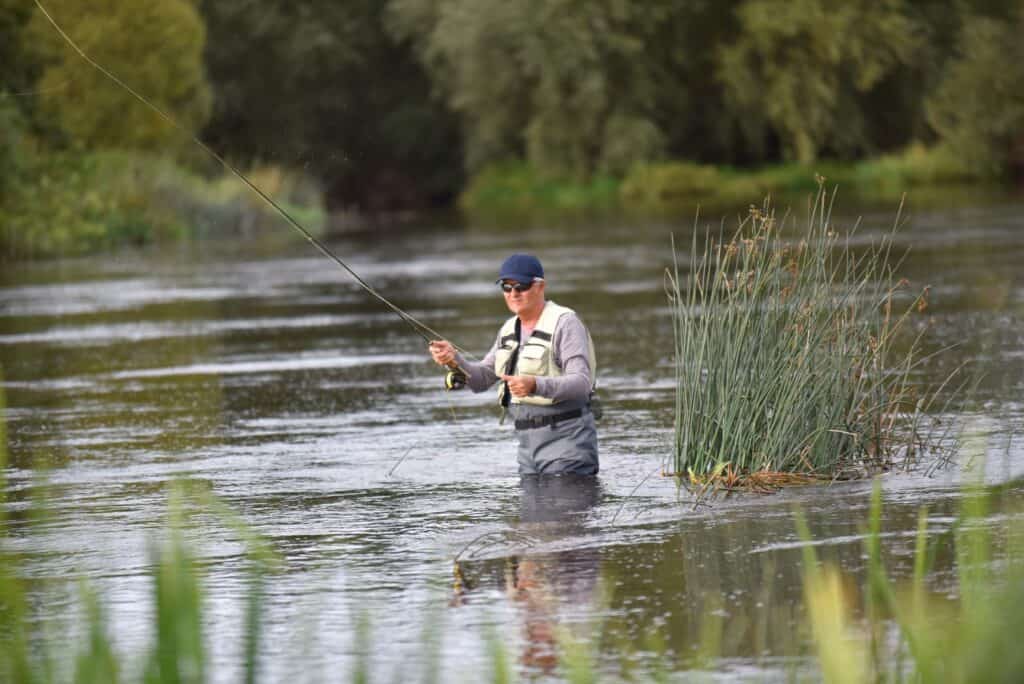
553, 438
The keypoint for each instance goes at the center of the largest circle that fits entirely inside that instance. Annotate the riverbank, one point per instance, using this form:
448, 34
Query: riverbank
75, 203
679, 186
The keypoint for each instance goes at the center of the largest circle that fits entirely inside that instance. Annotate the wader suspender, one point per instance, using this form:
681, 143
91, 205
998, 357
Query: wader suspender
506, 395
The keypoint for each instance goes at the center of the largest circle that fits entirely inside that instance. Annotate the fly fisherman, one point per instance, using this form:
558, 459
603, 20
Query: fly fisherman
544, 359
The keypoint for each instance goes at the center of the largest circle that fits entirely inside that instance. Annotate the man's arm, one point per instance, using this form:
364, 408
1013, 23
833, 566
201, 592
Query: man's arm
570, 347
481, 375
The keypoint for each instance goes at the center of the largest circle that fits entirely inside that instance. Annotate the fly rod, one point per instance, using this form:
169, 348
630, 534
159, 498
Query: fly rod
428, 334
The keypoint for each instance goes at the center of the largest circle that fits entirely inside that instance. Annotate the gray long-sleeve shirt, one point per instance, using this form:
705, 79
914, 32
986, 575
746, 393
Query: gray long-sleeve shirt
568, 344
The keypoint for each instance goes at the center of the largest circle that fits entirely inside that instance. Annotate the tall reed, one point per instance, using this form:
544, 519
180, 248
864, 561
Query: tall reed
787, 357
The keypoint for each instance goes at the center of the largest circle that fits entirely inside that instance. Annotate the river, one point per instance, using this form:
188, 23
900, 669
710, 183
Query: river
265, 372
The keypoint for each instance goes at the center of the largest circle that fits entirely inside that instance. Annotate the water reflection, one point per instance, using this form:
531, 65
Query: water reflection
542, 583
276, 381
552, 508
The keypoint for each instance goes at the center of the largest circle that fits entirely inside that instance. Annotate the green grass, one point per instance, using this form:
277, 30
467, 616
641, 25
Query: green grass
678, 186
178, 654
788, 355
517, 188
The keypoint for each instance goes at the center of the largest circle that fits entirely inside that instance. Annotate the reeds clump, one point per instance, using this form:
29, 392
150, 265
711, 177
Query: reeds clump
789, 361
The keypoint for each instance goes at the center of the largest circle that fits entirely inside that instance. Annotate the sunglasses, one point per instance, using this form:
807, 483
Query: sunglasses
518, 287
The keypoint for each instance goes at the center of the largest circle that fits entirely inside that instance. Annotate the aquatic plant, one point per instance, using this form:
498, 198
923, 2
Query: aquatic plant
789, 360
895, 633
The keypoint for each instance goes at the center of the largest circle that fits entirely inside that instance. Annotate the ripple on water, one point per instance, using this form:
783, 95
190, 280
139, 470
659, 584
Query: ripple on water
314, 415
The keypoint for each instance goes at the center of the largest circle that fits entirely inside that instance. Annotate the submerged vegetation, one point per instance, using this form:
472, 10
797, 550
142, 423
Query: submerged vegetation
791, 356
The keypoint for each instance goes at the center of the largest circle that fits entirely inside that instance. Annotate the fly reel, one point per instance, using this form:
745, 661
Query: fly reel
455, 379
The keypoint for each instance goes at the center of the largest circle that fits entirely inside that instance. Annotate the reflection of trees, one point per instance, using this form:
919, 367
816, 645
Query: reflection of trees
702, 591
729, 583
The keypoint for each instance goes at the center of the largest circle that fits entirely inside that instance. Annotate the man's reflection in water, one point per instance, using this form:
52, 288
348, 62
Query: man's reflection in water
553, 509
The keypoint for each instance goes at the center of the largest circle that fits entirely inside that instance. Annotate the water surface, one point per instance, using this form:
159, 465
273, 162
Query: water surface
317, 415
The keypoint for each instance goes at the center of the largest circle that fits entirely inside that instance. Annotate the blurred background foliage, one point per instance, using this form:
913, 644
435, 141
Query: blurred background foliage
383, 107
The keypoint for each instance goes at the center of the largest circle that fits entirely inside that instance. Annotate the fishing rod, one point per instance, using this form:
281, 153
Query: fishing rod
456, 376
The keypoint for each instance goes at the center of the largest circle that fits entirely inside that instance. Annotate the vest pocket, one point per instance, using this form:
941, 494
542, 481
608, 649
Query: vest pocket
532, 360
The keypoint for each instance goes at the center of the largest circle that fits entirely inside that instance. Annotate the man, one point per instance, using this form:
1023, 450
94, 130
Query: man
544, 358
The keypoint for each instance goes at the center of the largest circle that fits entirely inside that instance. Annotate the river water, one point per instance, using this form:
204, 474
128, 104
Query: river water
264, 372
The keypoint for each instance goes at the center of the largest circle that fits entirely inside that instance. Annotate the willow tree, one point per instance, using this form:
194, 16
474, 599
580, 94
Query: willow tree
156, 47
323, 85
979, 107
799, 69
564, 83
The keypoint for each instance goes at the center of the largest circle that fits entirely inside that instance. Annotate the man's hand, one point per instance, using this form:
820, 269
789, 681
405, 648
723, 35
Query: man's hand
442, 352
520, 385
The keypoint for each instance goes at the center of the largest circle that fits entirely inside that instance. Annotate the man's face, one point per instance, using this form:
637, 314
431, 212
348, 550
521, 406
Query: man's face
529, 302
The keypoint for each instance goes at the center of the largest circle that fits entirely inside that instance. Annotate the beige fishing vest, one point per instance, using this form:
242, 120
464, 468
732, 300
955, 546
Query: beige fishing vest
535, 356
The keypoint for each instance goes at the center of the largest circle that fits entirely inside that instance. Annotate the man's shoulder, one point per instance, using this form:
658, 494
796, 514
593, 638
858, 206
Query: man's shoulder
570, 322
563, 313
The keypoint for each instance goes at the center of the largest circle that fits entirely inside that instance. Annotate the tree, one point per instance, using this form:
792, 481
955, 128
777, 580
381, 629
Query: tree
565, 83
19, 72
979, 107
799, 69
324, 85
16, 80
156, 47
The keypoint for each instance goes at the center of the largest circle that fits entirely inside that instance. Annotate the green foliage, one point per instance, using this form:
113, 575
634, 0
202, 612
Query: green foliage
973, 639
155, 47
674, 186
96, 662
557, 82
323, 84
11, 136
20, 70
387, 104
979, 106
797, 68
914, 166
72, 203
179, 656
668, 181
785, 356
517, 187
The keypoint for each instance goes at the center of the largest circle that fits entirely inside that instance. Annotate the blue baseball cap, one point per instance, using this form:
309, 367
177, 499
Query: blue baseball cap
522, 268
